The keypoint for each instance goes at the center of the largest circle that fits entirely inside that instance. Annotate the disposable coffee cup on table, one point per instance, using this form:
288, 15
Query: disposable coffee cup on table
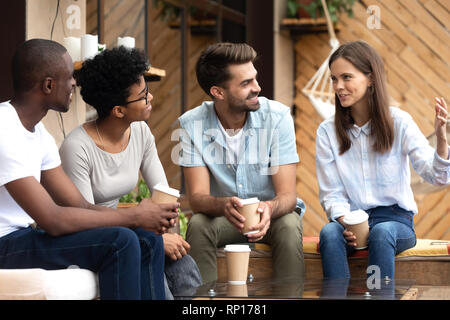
164, 194
249, 211
237, 290
237, 263
357, 222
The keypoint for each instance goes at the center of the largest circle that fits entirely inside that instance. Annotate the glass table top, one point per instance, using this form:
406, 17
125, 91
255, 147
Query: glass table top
302, 289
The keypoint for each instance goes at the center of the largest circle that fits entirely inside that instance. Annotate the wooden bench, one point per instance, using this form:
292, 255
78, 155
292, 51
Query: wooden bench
428, 263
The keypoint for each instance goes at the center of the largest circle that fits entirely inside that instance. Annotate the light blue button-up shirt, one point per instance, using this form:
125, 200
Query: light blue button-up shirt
268, 141
362, 178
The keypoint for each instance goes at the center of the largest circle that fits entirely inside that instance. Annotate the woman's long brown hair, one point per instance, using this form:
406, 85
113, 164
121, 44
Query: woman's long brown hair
366, 60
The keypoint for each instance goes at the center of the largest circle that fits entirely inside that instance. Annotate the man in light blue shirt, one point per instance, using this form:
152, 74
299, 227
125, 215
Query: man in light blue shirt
235, 147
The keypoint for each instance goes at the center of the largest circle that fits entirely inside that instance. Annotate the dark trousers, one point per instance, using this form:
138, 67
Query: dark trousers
129, 262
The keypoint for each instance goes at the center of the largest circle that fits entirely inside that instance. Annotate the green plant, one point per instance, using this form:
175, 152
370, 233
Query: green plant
183, 221
170, 12
144, 192
292, 8
334, 7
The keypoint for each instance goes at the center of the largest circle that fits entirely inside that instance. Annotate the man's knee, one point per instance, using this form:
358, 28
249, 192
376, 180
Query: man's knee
289, 223
198, 221
287, 230
151, 240
122, 237
197, 225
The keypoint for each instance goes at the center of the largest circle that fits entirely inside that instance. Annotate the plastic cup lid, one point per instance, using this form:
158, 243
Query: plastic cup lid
355, 217
166, 189
237, 248
249, 201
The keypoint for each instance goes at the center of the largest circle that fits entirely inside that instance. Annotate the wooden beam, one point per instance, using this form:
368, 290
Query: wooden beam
101, 20
152, 74
148, 26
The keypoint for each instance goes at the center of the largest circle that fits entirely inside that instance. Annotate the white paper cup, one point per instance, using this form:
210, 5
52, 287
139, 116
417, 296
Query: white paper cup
237, 290
89, 46
357, 222
164, 194
73, 46
250, 213
128, 42
237, 263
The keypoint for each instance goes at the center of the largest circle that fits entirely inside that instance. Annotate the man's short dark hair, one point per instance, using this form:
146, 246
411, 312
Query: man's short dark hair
212, 66
35, 60
106, 79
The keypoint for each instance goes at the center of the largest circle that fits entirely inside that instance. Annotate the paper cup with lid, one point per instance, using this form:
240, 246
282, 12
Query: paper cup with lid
249, 211
164, 194
237, 290
237, 263
357, 222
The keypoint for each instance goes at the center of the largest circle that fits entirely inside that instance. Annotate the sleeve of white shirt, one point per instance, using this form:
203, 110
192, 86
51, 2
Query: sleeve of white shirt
51, 157
151, 167
14, 154
424, 158
12, 166
332, 194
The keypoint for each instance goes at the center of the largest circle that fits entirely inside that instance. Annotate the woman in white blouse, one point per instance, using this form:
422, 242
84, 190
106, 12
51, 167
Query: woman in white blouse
362, 163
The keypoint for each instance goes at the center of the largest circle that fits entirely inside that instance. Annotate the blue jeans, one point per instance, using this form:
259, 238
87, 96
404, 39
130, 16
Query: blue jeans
129, 262
182, 276
391, 232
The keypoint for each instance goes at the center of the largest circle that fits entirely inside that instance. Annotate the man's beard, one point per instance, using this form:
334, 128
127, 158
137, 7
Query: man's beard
241, 106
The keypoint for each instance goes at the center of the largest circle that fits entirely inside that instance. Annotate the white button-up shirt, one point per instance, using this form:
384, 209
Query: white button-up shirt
362, 178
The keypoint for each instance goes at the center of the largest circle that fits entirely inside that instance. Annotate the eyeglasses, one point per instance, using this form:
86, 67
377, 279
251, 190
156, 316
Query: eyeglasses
142, 98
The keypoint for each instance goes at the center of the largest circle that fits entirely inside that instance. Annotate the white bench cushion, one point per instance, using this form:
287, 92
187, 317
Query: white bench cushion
64, 284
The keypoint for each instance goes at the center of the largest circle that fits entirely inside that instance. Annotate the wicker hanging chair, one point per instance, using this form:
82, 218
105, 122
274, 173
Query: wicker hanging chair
319, 88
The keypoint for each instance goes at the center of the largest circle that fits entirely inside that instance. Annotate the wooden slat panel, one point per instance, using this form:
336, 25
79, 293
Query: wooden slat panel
425, 206
424, 18
439, 10
434, 215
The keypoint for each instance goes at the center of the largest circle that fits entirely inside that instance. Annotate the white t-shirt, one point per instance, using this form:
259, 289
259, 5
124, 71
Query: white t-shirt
233, 140
22, 154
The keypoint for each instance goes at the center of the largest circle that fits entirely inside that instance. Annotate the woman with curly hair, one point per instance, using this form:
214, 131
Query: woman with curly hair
103, 157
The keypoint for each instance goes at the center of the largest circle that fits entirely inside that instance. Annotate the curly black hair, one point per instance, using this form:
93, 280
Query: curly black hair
105, 80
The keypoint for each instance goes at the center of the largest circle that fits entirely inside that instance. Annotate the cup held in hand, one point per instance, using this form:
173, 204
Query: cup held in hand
357, 222
249, 211
164, 194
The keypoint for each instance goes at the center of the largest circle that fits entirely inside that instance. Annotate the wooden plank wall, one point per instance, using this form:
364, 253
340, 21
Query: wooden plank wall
414, 41
166, 54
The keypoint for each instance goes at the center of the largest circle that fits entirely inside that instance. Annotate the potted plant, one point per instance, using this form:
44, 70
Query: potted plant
170, 12
314, 9
144, 192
